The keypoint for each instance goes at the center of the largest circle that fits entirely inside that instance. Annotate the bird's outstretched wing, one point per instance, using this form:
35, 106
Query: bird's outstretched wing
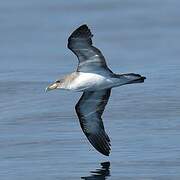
90, 58
89, 109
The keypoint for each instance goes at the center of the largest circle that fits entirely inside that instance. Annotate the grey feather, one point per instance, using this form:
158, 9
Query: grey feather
90, 58
89, 110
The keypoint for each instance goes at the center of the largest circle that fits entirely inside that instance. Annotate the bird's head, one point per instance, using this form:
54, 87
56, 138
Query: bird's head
55, 85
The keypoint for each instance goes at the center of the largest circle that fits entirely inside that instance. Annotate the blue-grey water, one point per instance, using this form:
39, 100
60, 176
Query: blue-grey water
40, 136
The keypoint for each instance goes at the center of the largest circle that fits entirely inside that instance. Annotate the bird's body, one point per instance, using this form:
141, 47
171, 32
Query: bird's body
90, 82
95, 80
80, 81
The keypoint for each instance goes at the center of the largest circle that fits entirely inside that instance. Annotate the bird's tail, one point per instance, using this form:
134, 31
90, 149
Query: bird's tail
131, 78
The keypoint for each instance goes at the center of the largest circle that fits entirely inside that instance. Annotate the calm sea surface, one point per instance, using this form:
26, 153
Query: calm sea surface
40, 136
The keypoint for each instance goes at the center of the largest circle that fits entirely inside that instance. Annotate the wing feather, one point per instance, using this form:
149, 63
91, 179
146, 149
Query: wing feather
89, 110
90, 58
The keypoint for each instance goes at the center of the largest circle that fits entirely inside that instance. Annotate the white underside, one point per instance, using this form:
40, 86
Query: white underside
92, 82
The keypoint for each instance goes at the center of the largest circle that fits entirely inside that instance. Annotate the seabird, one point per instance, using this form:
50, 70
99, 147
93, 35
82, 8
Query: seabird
95, 80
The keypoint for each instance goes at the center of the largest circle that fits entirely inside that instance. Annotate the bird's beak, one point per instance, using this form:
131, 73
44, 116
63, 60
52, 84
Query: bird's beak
51, 87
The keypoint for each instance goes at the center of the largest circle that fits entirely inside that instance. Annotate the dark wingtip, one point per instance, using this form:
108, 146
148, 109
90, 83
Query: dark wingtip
100, 142
83, 26
104, 152
82, 31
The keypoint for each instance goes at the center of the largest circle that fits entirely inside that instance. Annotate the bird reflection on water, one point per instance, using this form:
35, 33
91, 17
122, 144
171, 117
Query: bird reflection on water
99, 174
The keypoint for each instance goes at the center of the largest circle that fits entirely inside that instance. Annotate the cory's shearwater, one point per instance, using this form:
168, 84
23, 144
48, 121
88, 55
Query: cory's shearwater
95, 80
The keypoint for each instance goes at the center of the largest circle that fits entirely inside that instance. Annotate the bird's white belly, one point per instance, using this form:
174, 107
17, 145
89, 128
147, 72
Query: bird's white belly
90, 82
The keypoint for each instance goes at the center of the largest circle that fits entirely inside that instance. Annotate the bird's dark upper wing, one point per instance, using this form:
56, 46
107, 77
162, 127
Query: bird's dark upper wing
90, 58
89, 109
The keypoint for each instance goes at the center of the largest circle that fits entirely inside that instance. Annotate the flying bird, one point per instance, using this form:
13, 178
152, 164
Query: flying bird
95, 80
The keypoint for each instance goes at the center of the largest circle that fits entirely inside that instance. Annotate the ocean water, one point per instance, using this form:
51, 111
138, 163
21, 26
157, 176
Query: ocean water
40, 136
